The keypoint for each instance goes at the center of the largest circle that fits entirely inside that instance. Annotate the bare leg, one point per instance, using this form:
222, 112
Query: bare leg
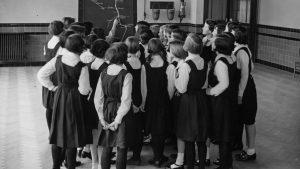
93, 148
251, 134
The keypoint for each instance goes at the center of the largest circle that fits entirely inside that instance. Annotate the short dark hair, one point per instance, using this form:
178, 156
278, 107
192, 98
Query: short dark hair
63, 37
143, 23
241, 35
145, 36
75, 44
133, 44
176, 48
77, 29
220, 26
193, 44
67, 21
211, 24
117, 53
99, 32
89, 40
88, 27
224, 44
179, 34
56, 28
232, 25
99, 47
155, 47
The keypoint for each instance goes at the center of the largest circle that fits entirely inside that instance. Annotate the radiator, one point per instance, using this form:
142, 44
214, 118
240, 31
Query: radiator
12, 46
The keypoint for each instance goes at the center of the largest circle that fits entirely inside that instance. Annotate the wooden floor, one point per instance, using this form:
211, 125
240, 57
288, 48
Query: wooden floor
23, 128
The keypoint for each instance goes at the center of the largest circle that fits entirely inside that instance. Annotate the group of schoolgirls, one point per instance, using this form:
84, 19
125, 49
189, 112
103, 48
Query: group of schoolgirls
100, 94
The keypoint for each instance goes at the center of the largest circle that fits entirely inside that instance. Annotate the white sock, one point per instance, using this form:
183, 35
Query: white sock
251, 151
94, 166
179, 159
86, 149
207, 153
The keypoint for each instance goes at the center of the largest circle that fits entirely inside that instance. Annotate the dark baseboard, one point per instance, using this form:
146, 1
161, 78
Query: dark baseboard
21, 63
275, 65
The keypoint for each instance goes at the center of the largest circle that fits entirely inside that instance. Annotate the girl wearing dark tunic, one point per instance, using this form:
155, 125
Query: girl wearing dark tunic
219, 90
113, 103
156, 99
247, 98
178, 55
67, 126
144, 38
192, 118
98, 50
50, 51
136, 125
207, 30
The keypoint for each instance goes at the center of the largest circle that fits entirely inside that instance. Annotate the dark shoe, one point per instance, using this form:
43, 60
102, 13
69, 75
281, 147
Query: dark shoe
147, 140
159, 162
237, 147
207, 162
243, 156
79, 152
78, 163
133, 161
217, 162
175, 166
86, 155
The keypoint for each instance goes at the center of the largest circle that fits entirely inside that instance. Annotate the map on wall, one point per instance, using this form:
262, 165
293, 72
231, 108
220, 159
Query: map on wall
103, 12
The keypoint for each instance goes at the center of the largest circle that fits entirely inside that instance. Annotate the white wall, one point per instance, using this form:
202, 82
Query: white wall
194, 12
36, 11
282, 13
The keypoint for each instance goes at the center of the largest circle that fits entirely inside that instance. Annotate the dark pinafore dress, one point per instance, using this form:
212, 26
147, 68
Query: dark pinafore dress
174, 106
221, 115
192, 120
112, 86
157, 101
135, 122
48, 96
91, 115
67, 127
249, 100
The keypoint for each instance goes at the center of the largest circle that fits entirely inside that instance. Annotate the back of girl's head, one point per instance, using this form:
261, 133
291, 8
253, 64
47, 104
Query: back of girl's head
193, 44
68, 21
143, 23
99, 47
63, 37
99, 32
75, 44
241, 35
220, 26
224, 44
89, 40
155, 30
176, 48
77, 29
56, 28
117, 53
133, 44
155, 47
211, 24
145, 36
232, 25
88, 27
179, 34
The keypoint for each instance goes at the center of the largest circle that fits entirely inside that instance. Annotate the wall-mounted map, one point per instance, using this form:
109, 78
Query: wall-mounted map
103, 12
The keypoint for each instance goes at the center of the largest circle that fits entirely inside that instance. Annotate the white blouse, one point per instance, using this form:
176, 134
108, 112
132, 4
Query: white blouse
87, 57
70, 59
184, 72
171, 75
221, 72
52, 43
125, 98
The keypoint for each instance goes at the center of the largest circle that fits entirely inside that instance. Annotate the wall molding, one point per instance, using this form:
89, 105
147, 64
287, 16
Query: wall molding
24, 24
279, 28
279, 36
275, 65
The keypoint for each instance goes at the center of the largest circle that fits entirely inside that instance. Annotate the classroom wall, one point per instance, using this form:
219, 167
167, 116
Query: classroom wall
32, 17
282, 13
36, 11
278, 33
194, 12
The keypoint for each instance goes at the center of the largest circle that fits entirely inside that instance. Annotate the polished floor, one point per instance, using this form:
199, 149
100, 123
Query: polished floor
23, 129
